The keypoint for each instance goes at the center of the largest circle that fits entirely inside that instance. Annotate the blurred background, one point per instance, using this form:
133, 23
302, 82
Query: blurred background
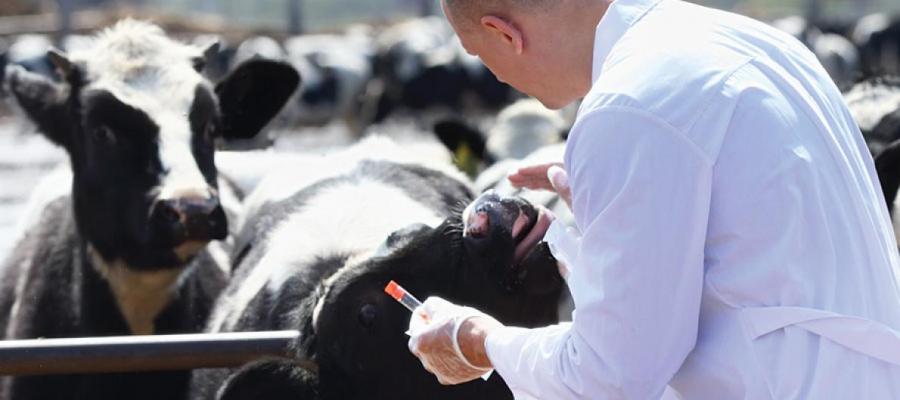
328, 15
386, 66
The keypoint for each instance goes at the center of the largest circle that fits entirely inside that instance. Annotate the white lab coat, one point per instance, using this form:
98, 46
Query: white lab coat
731, 240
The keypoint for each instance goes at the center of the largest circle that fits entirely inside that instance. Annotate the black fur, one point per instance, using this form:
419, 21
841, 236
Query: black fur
115, 163
882, 138
887, 163
65, 296
358, 345
879, 53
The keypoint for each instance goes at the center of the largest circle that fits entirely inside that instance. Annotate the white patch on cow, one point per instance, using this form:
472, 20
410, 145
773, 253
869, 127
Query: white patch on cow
869, 103
140, 295
351, 219
524, 127
320, 303
182, 177
292, 173
142, 67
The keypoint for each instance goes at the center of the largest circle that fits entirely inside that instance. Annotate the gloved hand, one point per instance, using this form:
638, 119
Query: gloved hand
434, 337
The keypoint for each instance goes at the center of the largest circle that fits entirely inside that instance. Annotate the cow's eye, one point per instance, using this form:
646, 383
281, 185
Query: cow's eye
103, 134
367, 315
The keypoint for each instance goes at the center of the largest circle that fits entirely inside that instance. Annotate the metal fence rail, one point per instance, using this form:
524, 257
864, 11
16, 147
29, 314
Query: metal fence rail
140, 353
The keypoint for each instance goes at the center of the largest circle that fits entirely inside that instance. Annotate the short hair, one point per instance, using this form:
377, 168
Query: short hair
468, 8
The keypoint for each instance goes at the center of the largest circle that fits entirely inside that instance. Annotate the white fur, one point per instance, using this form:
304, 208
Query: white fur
140, 295
879, 100
524, 127
145, 69
298, 171
352, 218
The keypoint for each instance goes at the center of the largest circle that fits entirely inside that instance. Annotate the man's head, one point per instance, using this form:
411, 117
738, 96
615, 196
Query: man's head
541, 47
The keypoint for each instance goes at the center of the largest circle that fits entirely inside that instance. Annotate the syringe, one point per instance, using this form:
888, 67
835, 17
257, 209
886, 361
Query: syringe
401, 295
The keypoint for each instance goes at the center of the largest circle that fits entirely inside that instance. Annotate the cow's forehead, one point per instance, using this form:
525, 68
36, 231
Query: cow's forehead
141, 66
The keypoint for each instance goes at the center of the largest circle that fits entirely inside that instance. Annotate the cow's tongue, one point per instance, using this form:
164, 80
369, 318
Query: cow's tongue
544, 218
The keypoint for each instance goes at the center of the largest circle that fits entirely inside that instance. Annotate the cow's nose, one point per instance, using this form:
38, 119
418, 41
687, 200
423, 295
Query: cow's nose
192, 218
490, 213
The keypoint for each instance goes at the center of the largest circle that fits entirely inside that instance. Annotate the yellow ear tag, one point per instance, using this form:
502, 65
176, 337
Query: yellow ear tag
465, 160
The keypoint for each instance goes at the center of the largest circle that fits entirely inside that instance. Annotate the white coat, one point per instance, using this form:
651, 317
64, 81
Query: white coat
731, 240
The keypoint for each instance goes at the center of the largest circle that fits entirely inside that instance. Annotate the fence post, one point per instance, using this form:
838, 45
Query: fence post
65, 9
295, 17
426, 7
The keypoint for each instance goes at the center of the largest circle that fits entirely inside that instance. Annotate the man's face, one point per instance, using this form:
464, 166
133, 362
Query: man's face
518, 70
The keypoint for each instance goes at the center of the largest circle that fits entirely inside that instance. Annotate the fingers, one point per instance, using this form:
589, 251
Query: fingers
532, 177
560, 182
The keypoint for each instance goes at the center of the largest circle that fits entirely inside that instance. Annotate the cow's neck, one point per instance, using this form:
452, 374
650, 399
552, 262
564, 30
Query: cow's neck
140, 295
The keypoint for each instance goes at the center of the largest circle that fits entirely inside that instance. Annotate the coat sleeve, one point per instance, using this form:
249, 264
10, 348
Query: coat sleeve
641, 198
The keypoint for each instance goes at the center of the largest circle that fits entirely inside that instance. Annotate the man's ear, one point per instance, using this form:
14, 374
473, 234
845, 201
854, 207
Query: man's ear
42, 100
252, 94
504, 31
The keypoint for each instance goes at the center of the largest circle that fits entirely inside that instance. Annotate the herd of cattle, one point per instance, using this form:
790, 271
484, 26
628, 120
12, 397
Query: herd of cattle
152, 230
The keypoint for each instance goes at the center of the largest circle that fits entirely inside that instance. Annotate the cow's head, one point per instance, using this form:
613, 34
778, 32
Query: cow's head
490, 257
140, 123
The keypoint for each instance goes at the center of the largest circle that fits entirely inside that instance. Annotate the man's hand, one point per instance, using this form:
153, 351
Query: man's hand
450, 341
550, 176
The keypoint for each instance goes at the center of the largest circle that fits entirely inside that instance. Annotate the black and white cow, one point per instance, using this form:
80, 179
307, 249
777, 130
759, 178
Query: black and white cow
838, 54
519, 130
869, 102
318, 260
336, 70
875, 105
30, 52
124, 251
420, 66
878, 38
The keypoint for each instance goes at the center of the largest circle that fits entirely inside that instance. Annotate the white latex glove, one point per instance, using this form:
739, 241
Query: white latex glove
433, 331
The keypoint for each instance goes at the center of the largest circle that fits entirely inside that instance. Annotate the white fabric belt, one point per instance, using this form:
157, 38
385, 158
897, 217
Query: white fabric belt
868, 337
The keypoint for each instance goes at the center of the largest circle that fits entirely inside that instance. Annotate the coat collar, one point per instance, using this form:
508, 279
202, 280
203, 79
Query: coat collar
620, 16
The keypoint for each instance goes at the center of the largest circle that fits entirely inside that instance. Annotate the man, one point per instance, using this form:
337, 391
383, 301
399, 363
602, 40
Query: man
730, 242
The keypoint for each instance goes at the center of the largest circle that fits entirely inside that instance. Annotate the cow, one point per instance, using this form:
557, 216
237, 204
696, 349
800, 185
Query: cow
125, 250
869, 101
877, 36
30, 52
519, 129
875, 105
318, 259
838, 55
336, 70
421, 67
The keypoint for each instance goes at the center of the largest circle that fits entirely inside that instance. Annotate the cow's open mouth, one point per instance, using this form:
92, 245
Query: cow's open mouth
492, 214
529, 229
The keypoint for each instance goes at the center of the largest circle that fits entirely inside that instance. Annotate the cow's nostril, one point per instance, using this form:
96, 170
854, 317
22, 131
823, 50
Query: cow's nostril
478, 225
168, 212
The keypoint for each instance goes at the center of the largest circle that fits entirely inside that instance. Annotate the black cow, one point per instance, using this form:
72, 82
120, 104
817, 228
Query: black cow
124, 252
318, 261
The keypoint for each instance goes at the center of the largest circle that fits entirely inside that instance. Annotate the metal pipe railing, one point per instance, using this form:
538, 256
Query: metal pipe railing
141, 353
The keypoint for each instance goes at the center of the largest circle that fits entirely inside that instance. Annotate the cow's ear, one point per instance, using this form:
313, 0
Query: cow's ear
42, 100
252, 94
467, 144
